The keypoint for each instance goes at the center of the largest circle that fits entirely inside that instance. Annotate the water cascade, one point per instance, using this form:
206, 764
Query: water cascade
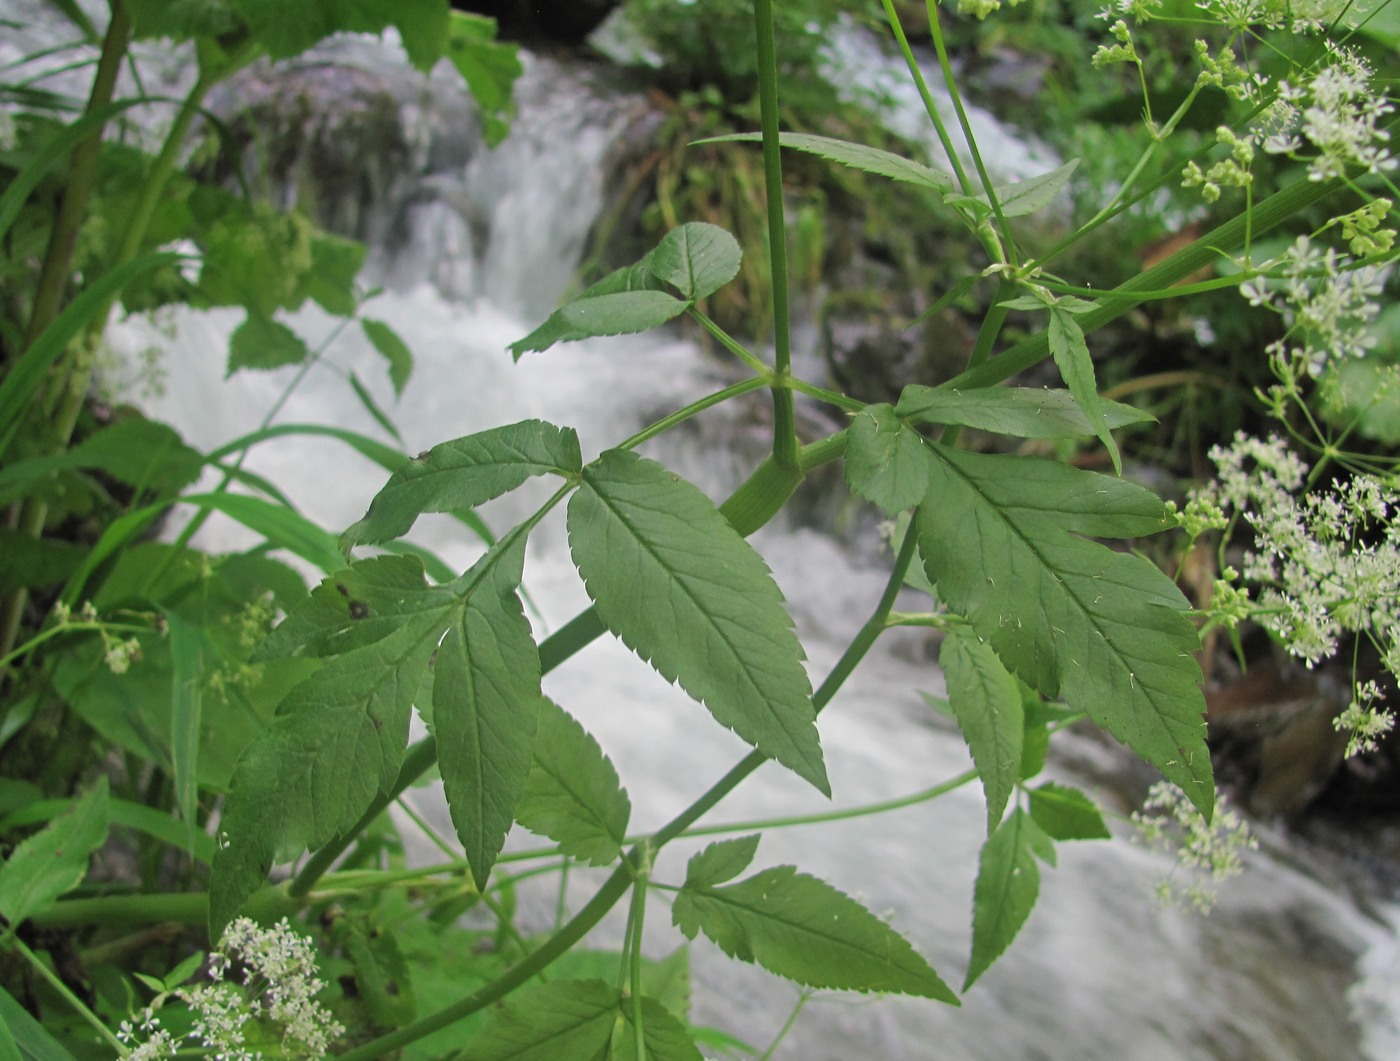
474, 248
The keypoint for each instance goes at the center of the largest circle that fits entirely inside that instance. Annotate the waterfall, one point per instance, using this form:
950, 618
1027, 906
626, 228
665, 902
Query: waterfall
474, 247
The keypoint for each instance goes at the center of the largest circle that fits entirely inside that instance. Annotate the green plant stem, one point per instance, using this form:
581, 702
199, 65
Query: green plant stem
635, 861
729, 343
1007, 251
73, 1000
1113, 304
865, 810
707, 402
949, 149
56, 269
784, 417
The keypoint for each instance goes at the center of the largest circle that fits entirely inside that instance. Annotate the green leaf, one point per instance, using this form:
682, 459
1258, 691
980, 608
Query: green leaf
26, 561
330, 281
489, 69
1066, 813
1024, 412
856, 156
1008, 884
665, 1037
721, 861
565, 1020
142, 453
621, 314
987, 703
486, 696
572, 794
558, 329
684, 591
464, 473
885, 460
155, 823
1106, 632
696, 258
1027, 196
27, 1036
54, 860
1071, 354
804, 929
360, 605
422, 24
262, 343
392, 348
283, 527
372, 407
337, 742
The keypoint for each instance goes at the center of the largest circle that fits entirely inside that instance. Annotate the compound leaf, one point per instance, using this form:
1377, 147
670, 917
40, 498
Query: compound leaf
464, 473
1104, 631
486, 695
572, 794
886, 462
683, 590
565, 1020
987, 704
802, 928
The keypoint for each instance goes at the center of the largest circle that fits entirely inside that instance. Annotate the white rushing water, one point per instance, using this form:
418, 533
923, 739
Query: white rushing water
1286, 967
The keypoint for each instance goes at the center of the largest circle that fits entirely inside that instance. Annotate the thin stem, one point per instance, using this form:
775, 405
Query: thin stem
802, 1000
949, 149
784, 418
681, 415
729, 343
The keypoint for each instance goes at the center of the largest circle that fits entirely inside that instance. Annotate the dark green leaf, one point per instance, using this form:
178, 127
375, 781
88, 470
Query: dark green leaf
54, 860
1008, 883
722, 861
1024, 412
261, 342
372, 407
464, 473
489, 69
684, 591
566, 1020
1066, 813
856, 156
804, 929
26, 561
392, 348
572, 794
422, 24
885, 460
987, 703
1106, 632
337, 742
155, 823
665, 1037
698, 259
1071, 354
486, 697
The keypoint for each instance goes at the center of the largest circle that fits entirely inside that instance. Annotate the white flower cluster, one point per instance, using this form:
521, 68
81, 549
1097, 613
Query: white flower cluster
1325, 561
278, 985
1327, 301
1208, 852
1337, 111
